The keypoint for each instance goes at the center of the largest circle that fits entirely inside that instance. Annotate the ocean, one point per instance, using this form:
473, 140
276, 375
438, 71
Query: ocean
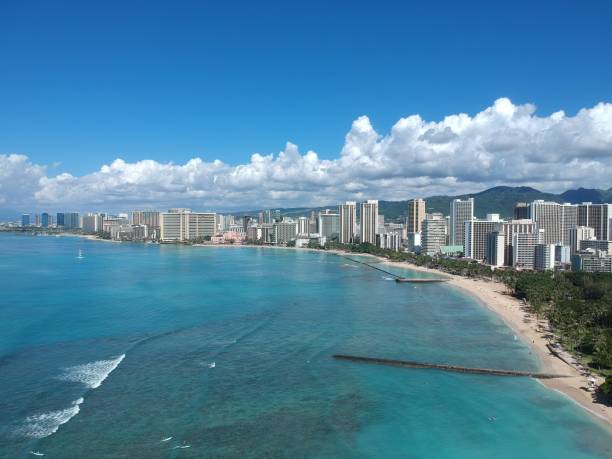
142, 350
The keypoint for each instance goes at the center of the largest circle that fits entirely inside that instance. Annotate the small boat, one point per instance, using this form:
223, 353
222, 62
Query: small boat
80, 256
167, 439
212, 365
37, 453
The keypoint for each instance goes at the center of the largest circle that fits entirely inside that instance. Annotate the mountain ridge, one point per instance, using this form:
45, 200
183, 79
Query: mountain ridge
499, 199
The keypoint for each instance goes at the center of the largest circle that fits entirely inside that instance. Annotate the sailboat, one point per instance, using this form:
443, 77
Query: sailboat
80, 254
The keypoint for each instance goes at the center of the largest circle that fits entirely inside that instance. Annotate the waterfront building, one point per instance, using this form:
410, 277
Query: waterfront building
229, 237
140, 232
267, 233
68, 220
284, 231
413, 241
246, 222
112, 221
150, 218
544, 257
391, 240
348, 222
44, 220
25, 220
433, 234
521, 211
416, 215
369, 221
578, 234
37, 220
555, 219
592, 261
523, 249
329, 225
253, 233
303, 227
460, 212
598, 217
93, 223
475, 236
121, 232
179, 225
496, 248
595, 244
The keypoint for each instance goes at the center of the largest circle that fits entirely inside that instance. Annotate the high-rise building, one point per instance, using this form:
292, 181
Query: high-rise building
496, 248
369, 221
596, 216
68, 220
25, 220
460, 212
521, 211
544, 257
150, 218
348, 222
284, 231
44, 220
178, 225
416, 215
512, 227
391, 240
303, 227
37, 220
433, 234
577, 234
246, 222
523, 249
555, 219
93, 223
562, 255
475, 236
329, 225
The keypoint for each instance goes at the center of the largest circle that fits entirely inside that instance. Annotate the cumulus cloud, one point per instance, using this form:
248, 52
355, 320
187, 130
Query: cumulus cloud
503, 144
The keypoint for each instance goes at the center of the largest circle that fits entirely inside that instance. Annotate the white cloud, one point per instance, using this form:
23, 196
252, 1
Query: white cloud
503, 144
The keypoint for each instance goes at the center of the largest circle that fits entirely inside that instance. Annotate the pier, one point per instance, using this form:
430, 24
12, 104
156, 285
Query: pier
450, 368
409, 280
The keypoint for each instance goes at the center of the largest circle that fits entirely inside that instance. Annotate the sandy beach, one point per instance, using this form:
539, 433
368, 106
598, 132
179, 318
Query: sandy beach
495, 296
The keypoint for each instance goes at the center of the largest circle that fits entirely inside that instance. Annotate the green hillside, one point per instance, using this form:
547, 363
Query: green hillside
499, 199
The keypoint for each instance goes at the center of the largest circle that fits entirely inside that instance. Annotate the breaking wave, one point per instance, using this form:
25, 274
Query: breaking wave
45, 424
91, 374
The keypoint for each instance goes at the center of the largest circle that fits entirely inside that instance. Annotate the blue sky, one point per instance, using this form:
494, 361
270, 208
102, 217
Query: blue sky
83, 83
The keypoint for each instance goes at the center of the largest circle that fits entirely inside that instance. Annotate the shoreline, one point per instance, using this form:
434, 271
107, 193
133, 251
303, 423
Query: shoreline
494, 296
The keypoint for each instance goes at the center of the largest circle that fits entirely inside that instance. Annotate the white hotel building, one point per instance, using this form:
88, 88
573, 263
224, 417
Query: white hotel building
180, 225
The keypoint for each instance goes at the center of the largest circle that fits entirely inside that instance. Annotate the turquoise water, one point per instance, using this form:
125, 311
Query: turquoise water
109, 355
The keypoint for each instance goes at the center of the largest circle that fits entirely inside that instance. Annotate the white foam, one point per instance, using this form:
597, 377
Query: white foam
45, 424
91, 374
